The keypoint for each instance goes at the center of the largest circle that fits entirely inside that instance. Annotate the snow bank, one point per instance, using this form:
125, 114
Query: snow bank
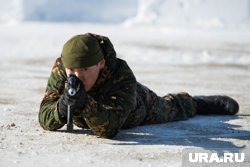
11, 11
198, 13
104, 11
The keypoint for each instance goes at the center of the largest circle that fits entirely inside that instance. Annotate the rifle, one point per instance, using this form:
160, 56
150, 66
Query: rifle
72, 90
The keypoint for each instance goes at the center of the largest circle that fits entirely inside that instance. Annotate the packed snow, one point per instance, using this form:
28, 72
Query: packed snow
197, 46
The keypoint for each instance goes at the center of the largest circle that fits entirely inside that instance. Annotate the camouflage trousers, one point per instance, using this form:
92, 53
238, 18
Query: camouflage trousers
153, 109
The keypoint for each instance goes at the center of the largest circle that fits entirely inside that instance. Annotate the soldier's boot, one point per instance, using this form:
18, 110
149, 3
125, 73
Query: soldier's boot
221, 105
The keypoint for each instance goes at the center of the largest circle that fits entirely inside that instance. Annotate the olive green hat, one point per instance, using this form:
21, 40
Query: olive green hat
81, 51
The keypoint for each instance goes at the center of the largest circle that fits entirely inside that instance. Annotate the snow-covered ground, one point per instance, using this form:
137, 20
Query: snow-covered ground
167, 60
200, 52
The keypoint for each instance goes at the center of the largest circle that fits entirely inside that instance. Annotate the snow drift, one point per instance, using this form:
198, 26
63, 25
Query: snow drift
201, 13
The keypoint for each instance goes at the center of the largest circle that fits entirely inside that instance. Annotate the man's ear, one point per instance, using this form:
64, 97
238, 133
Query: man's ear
102, 63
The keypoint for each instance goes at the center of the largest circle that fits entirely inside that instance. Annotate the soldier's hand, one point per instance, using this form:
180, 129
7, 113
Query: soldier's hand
76, 102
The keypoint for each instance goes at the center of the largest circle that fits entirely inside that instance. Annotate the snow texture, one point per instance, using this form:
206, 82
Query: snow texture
29, 50
198, 46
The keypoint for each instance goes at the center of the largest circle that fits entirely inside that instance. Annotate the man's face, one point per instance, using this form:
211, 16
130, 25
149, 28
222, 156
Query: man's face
88, 75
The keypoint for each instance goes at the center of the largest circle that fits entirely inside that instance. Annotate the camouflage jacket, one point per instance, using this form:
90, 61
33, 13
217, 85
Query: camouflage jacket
112, 102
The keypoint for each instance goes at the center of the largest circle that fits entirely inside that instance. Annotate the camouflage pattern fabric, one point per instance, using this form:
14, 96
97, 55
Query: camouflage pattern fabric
116, 100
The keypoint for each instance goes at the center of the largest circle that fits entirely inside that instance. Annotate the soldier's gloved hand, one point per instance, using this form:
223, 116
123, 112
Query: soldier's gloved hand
76, 102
